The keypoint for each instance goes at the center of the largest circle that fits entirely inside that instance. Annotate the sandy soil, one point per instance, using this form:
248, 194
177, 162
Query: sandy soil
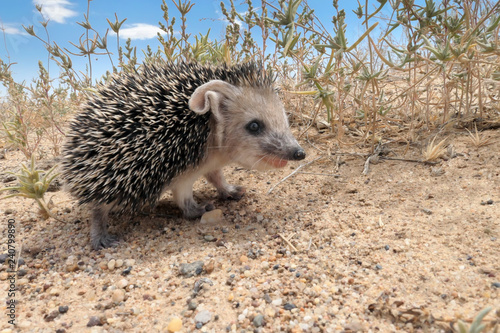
407, 248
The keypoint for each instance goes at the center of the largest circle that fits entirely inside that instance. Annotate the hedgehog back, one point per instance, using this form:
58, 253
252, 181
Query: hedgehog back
137, 133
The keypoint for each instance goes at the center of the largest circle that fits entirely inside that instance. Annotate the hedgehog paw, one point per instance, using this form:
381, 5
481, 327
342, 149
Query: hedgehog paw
104, 241
195, 211
233, 193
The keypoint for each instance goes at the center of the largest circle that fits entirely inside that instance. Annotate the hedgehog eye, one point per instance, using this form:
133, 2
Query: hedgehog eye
255, 127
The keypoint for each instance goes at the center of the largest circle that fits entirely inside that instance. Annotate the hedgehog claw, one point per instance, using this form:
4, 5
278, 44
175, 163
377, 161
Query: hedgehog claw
193, 210
236, 193
104, 241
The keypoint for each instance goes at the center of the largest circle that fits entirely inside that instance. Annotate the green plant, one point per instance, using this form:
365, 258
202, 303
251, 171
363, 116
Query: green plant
33, 184
477, 325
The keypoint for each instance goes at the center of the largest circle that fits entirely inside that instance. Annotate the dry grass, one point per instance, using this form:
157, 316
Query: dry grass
434, 151
478, 139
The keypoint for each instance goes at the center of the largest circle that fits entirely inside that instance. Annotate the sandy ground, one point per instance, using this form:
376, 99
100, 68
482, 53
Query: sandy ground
407, 248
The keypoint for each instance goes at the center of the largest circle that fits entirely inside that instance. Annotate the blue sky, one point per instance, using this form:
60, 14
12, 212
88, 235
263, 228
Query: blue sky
16, 46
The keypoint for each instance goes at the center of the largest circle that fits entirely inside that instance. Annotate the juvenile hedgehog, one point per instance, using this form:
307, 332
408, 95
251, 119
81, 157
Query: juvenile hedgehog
164, 127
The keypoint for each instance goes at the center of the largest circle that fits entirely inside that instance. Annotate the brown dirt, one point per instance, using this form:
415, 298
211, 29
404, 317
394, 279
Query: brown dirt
404, 248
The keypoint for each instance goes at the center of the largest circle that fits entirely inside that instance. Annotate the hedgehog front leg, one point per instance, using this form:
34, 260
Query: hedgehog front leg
183, 196
226, 191
99, 236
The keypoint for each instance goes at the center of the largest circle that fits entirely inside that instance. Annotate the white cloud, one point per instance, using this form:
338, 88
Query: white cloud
140, 31
56, 10
11, 29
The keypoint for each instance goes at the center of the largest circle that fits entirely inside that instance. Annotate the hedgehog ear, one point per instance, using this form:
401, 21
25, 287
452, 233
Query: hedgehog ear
210, 95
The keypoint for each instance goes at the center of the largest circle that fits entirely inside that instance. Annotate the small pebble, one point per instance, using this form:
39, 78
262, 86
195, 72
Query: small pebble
213, 216
95, 321
118, 296
174, 325
122, 284
378, 267
63, 309
192, 305
289, 306
203, 317
129, 262
258, 320
277, 302
209, 238
127, 270
51, 316
496, 284
111, 264
188, 270
119, 263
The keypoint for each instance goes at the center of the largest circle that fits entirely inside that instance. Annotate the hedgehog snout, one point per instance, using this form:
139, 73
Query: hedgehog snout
299, 154
283, 146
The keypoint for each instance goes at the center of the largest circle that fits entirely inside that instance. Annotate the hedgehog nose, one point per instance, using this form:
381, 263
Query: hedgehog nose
299, 154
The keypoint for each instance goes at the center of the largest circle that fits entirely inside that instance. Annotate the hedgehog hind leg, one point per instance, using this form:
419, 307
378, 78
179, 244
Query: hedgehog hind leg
183, 196
99, 236
226, 191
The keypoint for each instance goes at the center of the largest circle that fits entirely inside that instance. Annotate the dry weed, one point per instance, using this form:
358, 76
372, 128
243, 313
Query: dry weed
478, 139
434, 151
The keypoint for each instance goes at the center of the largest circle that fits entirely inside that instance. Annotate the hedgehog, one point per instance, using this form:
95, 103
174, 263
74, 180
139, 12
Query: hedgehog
164, 126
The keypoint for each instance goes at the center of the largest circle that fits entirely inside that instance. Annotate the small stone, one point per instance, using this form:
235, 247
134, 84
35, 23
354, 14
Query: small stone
122, 284
95, 321
203, 317
427, 211
129, 262
190, 270
51, 316
127, 271
209, 238
354, 326
209, 267
111, 264
496, 284
63, 309
277, 302
3, 257
22, 272
174, 325
243, 259
103, 265
378, 267
72, 266
119, 263
258, 320
118, 296
54, 292
289, 306
213, 216
192, 305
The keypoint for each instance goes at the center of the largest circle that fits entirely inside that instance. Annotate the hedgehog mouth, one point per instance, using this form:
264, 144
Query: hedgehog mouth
274, 161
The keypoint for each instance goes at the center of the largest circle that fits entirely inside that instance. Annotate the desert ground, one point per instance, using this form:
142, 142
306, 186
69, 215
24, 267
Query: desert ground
317, 246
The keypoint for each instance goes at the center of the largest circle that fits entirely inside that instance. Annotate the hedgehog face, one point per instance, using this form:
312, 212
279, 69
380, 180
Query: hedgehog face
256, 130
250, 123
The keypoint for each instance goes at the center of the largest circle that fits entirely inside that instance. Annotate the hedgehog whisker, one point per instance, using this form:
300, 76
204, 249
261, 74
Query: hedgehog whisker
260, 159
